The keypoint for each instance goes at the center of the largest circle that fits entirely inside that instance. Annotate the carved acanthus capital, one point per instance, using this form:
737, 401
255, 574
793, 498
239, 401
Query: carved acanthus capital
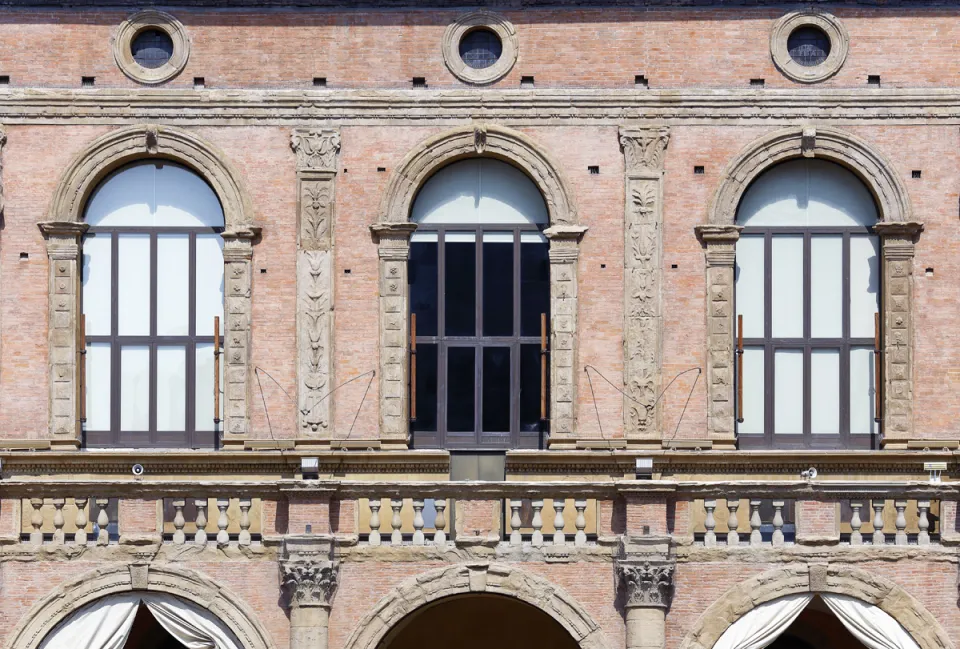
316, 149
309, 583
644, 148
647, 585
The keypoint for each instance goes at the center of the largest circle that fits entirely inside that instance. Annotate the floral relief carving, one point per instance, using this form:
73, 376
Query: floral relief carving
647, 584
314, 338
316, 200
644, 149
316, 149
309, 583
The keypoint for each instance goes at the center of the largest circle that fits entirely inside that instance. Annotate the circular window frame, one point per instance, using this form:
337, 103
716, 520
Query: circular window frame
467, 23
825, 22
132, 27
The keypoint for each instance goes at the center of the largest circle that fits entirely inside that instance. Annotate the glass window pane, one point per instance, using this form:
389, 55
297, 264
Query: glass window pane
426, 388
825, 392
753, 391
496, 389
787, 290
203, 417
97, 296
125, 198
135, 388
529, 388
826, 286
864, 285
750, 283
133, 285
461, 380
534, 282
184, 199
98, 386
460, 289
507, 195
498, 284
209, 282
423, 278
788, 396
450, 195
171, 388
173, 285
862, 391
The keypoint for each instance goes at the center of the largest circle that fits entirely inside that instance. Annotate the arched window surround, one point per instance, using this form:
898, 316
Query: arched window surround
64, 229
898, 233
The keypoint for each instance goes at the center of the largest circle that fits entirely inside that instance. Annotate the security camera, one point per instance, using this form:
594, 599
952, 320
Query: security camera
137, 470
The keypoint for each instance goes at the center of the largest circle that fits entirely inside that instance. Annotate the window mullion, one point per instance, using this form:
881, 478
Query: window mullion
190, 348
807, 331
441, 337
845, 347
478, 348
769, 396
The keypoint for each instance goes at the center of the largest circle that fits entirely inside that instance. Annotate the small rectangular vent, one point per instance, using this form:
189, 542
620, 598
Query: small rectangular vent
593, 170
319, 82
4, 79
640, 81
87, 82
873, 79
757, 83
526, 82
916, 173
199, 83
698, 170
419, 82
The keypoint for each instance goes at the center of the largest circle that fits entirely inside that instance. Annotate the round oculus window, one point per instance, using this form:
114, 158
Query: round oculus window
808, 46
152, 48
480, 48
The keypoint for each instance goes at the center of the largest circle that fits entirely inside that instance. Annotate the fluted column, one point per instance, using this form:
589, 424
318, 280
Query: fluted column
309, 577
645, 577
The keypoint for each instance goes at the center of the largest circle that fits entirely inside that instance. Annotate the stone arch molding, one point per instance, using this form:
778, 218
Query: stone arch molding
818, 578
124, 578
494, 578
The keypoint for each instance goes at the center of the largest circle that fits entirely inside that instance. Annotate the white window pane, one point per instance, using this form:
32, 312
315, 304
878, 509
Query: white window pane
97, 299
204, 395
498, 237
171, 388
450, 196
98, 386
825, 391
184, 199
864, 285
125, 198
173, 285
826, 286
459, 237
753, 390
749, 277
133, 285
508, 196
862, 391
209, 282
532, 237
424, 237
134, 388
787, 291
788, 395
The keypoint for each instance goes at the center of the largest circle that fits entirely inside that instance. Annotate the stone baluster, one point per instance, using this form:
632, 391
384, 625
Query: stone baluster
856, 538
440, 536
537, 523
559, 538
58, 520
418, 538
374, 521
901, 522
80, 536
710, 523
36, 521
103, 521
923, 507
515, 522
222, 521
581, 538
201, 536
756, 538
878, 538
244, 537
733, 537
396, 538
179, 538
778, 522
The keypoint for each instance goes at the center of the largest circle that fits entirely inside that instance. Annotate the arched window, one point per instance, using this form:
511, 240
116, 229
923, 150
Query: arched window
807, 289
152, 288
479, 297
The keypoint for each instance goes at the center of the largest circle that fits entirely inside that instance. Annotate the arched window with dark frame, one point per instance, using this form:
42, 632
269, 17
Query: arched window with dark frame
479, 303
808, 295
152, 291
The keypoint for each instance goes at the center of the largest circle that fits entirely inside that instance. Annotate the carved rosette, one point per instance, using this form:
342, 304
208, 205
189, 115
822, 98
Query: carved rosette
644, 151
316, 151
646, 585
309, 583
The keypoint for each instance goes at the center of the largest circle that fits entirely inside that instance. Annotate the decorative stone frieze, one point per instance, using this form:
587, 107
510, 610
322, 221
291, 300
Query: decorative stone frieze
316, 151
309, 577
644, 151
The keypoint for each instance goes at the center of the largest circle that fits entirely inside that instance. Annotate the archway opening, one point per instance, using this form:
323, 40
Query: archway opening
817, 628
148, 633
478, 621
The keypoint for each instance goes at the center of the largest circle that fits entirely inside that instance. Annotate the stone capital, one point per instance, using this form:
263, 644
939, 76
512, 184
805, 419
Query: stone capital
711, 233
646, 584
561, 232
63, 229
316, 149
392, 231
309, 574
644, 149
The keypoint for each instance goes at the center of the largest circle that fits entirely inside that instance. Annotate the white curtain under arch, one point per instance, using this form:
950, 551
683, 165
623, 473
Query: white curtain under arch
106, 624
870, 625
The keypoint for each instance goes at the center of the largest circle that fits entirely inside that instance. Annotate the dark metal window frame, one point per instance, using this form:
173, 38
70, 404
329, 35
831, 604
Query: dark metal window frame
770, 344
500, 440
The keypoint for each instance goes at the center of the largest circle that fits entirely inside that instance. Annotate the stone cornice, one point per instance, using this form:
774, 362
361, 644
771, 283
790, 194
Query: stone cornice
888, 6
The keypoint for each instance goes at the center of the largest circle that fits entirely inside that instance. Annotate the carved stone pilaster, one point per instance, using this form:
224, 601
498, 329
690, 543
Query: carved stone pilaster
898, 242
644, 151
720, 243
63, 257
309, 576
393, 241
316, 151
238, 270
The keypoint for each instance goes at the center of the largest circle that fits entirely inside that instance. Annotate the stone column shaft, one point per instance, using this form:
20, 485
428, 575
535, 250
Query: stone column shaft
646, 628
645, 577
